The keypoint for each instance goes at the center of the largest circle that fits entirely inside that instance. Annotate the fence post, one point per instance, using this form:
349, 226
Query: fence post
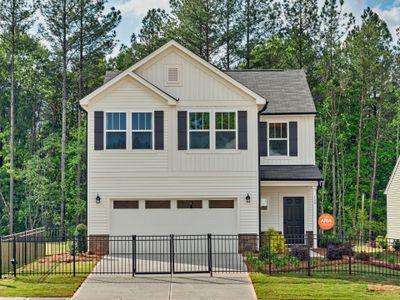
171, 254
25, 249
269, 256
74, 254
209, 247
350, 255
309, 259
14, 259
133, 255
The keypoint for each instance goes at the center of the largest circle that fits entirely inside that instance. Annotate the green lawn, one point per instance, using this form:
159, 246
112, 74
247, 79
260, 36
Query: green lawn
40, 286
321, 286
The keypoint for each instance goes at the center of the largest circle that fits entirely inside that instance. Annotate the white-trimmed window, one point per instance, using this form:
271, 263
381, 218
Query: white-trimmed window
115, 130
199, 130
142, 130
278, 139
225, 130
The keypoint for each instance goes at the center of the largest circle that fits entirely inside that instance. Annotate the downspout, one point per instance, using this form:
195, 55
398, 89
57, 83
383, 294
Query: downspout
259, 170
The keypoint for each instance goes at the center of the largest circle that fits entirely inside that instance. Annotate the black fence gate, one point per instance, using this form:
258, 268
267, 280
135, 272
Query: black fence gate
165, 254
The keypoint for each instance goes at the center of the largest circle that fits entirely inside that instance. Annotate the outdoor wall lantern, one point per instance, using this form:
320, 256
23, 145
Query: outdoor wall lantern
248, 198
98, 199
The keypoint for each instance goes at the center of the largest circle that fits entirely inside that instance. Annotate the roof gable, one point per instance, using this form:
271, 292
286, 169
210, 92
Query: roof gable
394, 173
131, 71
86, 100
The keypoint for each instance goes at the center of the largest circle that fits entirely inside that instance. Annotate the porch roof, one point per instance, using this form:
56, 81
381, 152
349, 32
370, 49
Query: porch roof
290, 173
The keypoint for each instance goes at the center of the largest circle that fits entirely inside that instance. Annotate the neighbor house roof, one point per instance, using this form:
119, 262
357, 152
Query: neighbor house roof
395, 170
290, 173
286, 91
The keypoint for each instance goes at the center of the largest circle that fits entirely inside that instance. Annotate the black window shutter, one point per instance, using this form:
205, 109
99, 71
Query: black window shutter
242, 129
263, 138
292, 138
98, 130
159, 130
182, 130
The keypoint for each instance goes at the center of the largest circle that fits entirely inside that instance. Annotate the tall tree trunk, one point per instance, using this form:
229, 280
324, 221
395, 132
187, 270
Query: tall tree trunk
64, 116
228, 9
373, 178
359, 153
12, 118
80, 94
248, 34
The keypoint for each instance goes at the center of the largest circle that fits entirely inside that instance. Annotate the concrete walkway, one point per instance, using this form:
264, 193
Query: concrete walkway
165, 287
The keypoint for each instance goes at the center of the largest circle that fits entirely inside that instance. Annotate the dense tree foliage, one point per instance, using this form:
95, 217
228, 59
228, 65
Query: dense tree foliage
353, 71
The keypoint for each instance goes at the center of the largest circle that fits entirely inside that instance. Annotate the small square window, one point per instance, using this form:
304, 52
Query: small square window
264, 204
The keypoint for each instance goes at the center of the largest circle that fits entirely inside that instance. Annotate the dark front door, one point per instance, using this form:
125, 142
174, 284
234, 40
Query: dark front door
293, 219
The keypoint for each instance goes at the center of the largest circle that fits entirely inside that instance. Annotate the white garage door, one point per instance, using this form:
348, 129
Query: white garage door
164, 217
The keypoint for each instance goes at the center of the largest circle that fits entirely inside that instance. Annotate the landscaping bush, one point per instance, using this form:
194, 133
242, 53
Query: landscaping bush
283, 260
381, 242
302, 253
337, 250
81, 238
396, 245
362, 256
275, 239
263, 253
325, 240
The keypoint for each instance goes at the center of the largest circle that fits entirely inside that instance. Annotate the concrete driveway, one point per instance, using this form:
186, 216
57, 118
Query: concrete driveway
165, 287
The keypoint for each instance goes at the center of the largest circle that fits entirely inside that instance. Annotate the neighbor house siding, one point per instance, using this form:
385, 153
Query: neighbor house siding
393, 206
171, 173
305, 138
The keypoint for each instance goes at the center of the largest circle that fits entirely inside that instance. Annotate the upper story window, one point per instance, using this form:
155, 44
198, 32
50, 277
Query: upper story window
142, 130
225, 130
199, 130
278, 139
116, 130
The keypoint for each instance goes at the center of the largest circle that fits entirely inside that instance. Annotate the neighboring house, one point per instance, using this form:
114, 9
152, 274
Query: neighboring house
393, 203
174, 143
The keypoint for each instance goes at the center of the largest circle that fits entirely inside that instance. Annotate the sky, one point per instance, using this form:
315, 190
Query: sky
134, 10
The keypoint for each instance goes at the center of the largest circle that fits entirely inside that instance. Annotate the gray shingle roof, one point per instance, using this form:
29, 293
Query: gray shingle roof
286, 91
288, 173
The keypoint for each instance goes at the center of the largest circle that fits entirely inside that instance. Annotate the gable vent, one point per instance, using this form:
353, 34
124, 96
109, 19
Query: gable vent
173, 75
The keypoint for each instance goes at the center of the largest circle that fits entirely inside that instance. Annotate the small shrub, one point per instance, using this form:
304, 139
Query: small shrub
362, 256
325, 240
336, 251
275, 239
396, 245
381, 242
81, 238
302, 253
263, 253
283, 260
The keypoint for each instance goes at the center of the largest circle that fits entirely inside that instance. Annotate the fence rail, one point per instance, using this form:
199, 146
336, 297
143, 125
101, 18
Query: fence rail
40, 253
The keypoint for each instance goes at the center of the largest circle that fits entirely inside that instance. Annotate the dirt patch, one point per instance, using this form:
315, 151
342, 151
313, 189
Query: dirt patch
67, 258
383, 288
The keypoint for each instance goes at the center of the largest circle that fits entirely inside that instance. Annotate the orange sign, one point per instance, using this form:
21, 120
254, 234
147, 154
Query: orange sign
326, 221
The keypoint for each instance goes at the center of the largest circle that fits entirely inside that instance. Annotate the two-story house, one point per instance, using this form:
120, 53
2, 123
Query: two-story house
177, 146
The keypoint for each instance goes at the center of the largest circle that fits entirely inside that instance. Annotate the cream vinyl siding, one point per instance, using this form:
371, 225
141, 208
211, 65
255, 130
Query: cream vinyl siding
305, 139
273, 218
171, 174
393, 205
197, 82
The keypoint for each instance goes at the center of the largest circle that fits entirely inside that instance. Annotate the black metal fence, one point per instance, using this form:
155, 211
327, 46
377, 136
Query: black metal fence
209, 253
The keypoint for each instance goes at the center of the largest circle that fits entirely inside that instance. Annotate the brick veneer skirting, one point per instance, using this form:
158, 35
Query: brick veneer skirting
99, 244
248, 242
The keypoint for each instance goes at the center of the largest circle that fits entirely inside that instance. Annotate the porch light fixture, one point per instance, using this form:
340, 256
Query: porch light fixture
98, 199
248, 198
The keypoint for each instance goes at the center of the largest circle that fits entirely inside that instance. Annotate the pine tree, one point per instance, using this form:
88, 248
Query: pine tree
15, 19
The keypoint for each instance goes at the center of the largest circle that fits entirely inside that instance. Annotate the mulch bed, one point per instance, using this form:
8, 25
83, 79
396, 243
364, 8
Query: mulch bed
67, 258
